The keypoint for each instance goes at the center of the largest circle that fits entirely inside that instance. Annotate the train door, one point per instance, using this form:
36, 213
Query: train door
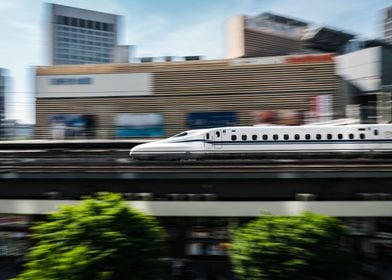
217, 139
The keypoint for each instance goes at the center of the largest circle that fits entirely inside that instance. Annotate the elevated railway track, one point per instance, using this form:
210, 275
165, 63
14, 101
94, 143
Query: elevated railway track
106, 156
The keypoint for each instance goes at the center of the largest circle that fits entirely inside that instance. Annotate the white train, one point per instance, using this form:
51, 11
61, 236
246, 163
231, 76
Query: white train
262, 141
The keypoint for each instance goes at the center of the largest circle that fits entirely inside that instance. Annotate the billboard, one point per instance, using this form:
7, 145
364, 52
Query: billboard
69, 126
94, 85
139, 125
198, 120
322, 107
279, 117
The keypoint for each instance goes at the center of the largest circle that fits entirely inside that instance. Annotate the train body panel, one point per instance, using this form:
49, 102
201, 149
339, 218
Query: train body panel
266, 140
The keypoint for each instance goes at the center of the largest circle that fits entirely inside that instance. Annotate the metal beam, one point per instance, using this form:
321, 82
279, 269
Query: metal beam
218, 208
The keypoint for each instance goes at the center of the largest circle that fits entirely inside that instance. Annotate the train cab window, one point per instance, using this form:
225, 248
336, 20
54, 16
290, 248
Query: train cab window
181, 134
362, 135
244, 137
296, 136
329, 136
351, 136
286, 137
340, 136
307, 136
254, 137
233, 137
207, 136
318, 136
375, 132
275, 137
265, 137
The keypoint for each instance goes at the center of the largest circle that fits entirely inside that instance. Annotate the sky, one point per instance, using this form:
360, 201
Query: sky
159, 28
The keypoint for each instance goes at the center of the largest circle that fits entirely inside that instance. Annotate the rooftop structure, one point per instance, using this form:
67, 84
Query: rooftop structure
270, 35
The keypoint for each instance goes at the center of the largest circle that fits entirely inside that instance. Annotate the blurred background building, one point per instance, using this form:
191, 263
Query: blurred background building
269, 35
388, 25
279, 70
79, 36
178, 95
2, 100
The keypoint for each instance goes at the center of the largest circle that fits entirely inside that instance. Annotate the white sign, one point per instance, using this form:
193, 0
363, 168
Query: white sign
98, 85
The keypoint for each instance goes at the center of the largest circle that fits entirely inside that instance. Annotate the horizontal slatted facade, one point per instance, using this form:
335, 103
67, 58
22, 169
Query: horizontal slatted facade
183, 87
258, 43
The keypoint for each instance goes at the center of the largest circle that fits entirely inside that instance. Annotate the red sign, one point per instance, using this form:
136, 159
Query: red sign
311, 58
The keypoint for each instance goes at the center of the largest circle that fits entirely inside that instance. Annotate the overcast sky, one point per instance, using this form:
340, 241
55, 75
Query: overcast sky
160, 27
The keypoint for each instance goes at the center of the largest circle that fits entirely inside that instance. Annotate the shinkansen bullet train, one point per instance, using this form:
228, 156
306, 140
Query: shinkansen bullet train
256, 141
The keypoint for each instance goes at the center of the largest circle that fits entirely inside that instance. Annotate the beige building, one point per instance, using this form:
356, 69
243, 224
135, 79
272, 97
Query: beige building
273, 35
176, 89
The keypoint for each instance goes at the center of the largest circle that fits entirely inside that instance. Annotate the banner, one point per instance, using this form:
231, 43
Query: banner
198, 120
139, 125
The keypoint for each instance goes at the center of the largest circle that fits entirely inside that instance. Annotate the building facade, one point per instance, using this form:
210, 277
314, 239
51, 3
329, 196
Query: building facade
78, 36
388, 25
367, 78
2, 101
271, 35
169, 97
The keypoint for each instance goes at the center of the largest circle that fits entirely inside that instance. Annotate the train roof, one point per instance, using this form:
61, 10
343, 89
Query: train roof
306, 126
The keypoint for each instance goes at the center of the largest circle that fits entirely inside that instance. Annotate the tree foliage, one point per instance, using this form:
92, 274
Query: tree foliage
301, 247
98, 239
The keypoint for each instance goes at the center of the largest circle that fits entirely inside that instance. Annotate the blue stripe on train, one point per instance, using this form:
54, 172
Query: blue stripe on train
235, 142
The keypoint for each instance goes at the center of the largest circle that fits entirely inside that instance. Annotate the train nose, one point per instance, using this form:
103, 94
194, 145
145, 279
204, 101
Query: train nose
139, 150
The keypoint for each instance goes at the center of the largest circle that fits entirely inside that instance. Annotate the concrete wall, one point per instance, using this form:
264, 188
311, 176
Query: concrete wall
235, 37
361, 68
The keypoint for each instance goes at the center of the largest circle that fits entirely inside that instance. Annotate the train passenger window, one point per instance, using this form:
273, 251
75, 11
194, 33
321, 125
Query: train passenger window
217, 134
351, 136
318, 136
340, 136
376, 132
265, 137
296, 136
307, 136
329, 136
207, 136
286, 137
362, 135
233, 137
244, 137
276, 137
254, 137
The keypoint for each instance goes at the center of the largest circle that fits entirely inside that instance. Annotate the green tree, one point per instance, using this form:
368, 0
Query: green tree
301, 247
98, 239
